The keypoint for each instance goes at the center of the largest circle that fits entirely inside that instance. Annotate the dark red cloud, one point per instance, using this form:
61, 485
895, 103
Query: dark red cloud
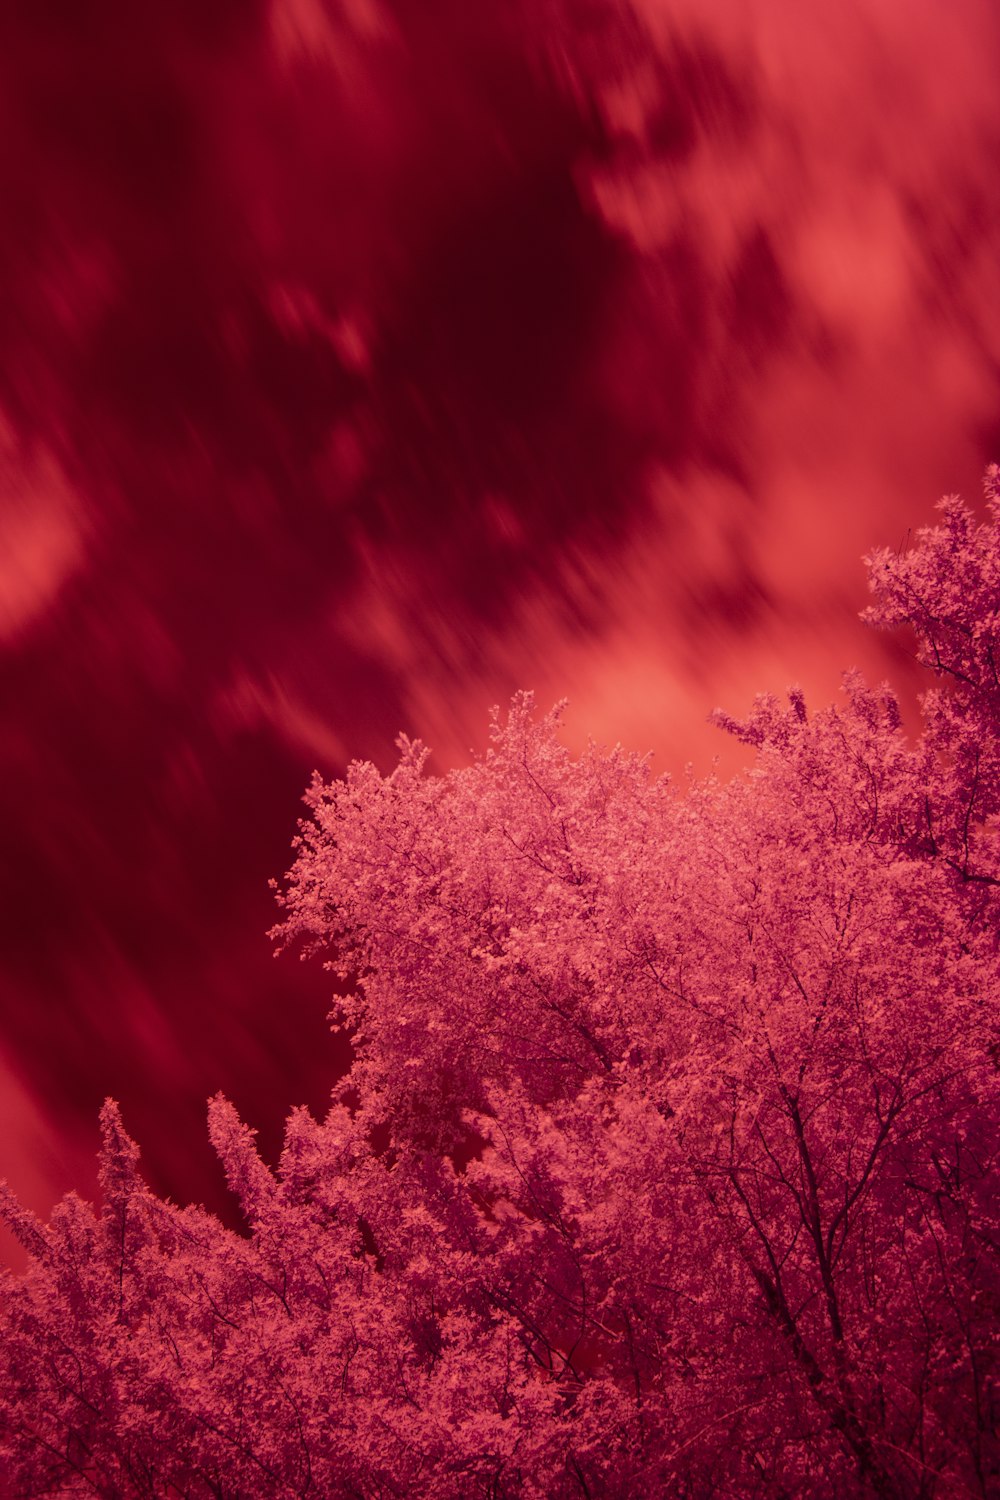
363, 363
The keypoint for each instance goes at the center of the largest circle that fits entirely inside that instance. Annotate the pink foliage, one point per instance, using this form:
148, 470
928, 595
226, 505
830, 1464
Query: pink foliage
667, 1164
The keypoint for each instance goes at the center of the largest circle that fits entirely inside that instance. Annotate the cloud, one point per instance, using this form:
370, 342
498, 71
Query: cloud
43, 534
361, 364
39, 1163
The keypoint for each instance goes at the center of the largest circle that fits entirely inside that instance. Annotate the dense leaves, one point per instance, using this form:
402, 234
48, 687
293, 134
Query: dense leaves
668, 1160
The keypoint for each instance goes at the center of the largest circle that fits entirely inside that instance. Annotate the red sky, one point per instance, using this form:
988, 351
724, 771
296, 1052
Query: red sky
362, 363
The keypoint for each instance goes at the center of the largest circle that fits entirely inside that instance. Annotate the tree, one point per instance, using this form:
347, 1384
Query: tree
667, 1160
947, 590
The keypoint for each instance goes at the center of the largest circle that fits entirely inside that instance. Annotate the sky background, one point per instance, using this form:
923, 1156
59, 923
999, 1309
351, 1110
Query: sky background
362, 363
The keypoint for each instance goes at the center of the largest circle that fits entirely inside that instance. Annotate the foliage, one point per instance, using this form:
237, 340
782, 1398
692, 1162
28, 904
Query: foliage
668, 1160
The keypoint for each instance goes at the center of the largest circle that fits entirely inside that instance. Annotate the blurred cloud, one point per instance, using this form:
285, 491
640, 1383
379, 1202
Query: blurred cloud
362, 363
42, 534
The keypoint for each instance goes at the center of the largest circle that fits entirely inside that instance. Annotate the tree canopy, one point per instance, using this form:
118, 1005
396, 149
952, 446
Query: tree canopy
667, 1162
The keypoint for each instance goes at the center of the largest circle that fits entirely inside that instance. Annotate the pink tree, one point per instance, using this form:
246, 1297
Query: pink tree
947, 590
667, 1161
